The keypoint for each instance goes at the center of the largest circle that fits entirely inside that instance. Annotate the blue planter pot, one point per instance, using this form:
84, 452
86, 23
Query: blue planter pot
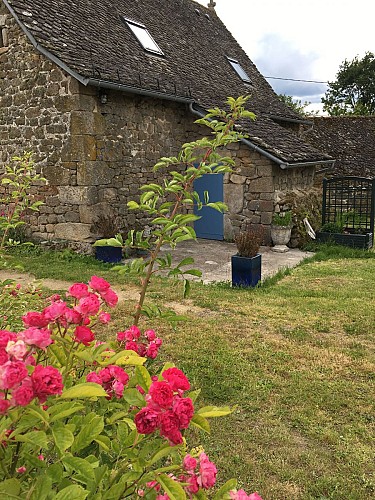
111, 255
246, 271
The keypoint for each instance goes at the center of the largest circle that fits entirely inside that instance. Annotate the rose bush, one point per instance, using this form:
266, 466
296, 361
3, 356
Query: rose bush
85, 419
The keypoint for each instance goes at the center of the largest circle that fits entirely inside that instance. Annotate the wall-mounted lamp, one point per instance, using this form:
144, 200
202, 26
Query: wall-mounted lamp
103, 96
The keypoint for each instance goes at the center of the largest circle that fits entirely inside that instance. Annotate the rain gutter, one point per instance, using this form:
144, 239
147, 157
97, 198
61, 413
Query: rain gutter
282, 164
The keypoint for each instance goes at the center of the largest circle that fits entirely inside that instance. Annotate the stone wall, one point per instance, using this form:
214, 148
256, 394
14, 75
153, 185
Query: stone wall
96, 156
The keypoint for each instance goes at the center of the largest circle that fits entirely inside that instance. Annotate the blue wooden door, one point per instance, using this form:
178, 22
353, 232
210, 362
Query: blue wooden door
211, 223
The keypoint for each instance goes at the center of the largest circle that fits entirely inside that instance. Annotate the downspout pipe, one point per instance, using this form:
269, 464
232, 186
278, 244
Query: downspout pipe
282, 164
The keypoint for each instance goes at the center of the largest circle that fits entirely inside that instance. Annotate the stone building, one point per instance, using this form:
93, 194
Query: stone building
100, 89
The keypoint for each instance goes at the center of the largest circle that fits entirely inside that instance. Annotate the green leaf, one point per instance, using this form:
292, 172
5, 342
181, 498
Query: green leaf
186, 288
36, 438
173, 489
201, 423
63, 437
80, 466
226, 488
55, 472
72, 492
85, 390
10, 488
186, 262
164, 452
214, 411
42, 488
134, 397
89, 431
143, 377
63, 410
193, 395
104, 442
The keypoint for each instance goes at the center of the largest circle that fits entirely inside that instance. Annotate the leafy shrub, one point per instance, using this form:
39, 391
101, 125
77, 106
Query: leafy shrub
282, 219
84, 419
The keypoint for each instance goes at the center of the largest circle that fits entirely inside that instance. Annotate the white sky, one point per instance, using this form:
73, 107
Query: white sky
300, 39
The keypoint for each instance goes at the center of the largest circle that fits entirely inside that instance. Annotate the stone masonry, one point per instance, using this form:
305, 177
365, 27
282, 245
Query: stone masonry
96, 156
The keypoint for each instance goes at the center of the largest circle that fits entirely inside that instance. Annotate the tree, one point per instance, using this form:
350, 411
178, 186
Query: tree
353, 92
296, 104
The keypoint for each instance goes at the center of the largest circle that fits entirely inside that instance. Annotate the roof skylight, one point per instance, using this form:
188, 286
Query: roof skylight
143, 36
239, 70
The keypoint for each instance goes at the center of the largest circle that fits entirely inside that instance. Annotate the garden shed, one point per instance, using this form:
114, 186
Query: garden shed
99, 90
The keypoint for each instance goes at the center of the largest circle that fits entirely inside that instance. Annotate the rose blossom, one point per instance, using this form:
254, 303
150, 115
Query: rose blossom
12, 373
4, 406
78, 291
131, 346
189, 463
176, 379
207, 472
55, 310
242, 495
94, 377
83, 335
99, 284
150, 335
36, 319
4, 357
152, 350
89, 305
104, 317
16, 349
72, 317
5, 336
169, 427
146, 420
41, 337
46, 381
161, 394
184, 409
24, 393
110, 297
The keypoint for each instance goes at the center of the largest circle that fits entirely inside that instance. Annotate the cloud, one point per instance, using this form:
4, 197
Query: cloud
278, 57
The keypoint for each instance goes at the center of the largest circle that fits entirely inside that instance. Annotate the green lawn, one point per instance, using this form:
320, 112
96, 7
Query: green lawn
296, 359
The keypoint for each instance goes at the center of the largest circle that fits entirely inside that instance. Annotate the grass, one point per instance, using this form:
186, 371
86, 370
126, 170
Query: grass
296, 359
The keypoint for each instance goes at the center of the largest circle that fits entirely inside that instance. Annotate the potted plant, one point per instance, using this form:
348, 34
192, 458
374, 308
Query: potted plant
281, 230
348, 229
247, 263
109, 248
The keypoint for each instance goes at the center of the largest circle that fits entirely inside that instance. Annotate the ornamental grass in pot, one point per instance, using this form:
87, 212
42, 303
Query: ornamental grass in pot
247, 263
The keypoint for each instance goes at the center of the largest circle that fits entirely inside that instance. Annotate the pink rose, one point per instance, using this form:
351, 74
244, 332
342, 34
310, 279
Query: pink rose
169, 427
5, 336
189, 463
17, 349
21, 470
161, 394
242, 495
94, 377
54, 311
4, 357
4, 406
163, 497
192, 484
36, 336
36, 319
147, 420
99, 284
131, 346
150, 335
177, 379
104, 317
110, 297
78, 291
83, 335
207, 472
72, 317
118, 373
89, 305
118, 389
12, 373
184, 409
152, 350
46, 381
24, 394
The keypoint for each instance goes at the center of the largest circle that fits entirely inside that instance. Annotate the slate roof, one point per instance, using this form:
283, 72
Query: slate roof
89, 38
349, 139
